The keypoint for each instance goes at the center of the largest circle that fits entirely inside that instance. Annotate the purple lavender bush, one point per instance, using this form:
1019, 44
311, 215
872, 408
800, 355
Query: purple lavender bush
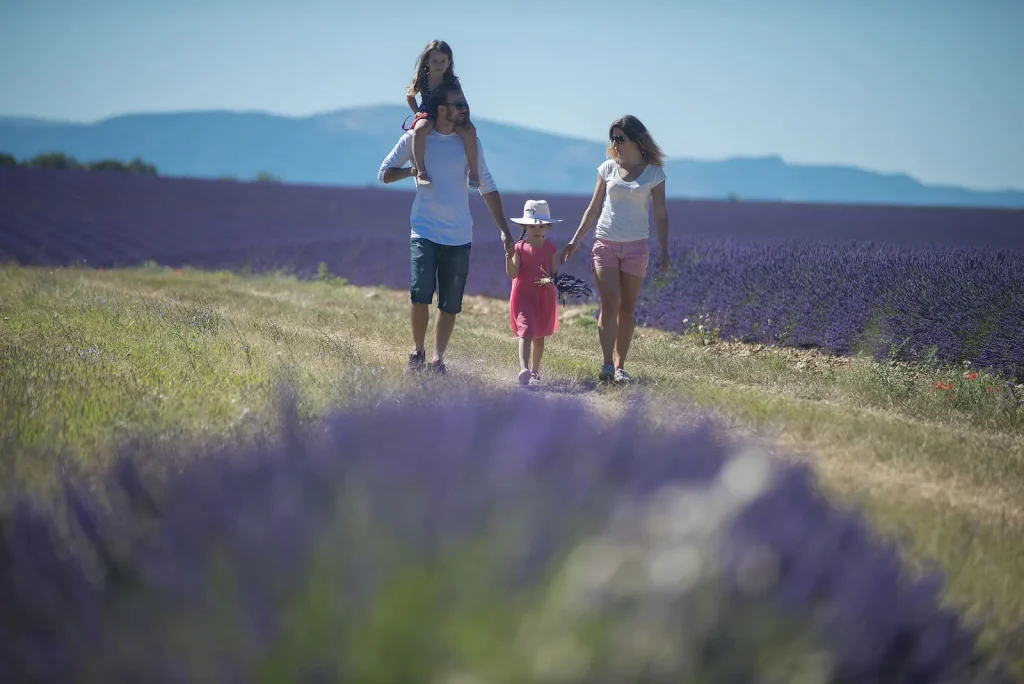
949, 303
485, 538
843, 278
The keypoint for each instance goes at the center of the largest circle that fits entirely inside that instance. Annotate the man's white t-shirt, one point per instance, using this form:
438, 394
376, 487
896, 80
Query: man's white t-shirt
625, 215
440, 212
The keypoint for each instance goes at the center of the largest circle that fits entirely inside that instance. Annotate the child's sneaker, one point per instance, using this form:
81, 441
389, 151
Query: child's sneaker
437, 367
607, 372
524, 377
535, 380
422, 178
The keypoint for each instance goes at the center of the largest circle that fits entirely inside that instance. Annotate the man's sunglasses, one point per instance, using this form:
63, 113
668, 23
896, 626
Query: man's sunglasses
461, 104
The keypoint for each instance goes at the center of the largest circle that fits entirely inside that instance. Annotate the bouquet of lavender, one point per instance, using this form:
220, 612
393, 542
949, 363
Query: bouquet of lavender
485, 539
568, 286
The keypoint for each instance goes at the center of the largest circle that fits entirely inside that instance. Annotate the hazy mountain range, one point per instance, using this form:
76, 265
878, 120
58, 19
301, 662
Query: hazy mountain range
345, 147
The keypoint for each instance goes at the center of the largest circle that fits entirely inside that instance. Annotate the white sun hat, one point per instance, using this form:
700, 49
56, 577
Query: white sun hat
536, 211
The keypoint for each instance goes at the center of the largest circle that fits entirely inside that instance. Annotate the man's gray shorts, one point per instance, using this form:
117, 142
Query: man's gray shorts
440, 268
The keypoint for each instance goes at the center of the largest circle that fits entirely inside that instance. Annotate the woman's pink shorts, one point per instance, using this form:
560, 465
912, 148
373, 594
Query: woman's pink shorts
629, 257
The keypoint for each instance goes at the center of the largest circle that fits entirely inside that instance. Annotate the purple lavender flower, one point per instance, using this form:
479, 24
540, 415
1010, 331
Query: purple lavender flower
503, 538
570, 286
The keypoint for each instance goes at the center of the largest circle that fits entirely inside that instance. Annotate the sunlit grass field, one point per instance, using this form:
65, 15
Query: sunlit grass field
92, 359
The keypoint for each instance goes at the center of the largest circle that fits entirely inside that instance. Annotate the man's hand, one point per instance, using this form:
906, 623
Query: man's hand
508, 243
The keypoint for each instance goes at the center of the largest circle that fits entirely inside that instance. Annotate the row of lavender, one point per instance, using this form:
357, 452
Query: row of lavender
915, 279
955, 304
951, 304
354, 551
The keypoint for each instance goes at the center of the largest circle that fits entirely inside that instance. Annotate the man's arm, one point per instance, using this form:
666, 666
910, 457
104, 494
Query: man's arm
487, 184
492, 198
493, 201
394, 174
391, 169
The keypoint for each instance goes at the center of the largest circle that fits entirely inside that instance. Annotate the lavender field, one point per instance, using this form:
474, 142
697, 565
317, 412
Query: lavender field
945, 283
726, 518
353, 551
950, 304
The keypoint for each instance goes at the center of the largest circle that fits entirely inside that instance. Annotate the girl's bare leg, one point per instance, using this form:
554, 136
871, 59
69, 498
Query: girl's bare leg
419, 146
538, 355
524, 360
468, 133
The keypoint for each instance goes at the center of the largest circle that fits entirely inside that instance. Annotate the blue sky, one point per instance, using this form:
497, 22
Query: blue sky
933, 88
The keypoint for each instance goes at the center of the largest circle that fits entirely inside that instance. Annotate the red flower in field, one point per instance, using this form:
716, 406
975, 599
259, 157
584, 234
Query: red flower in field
178, 272
938, 384
990, 389
973, 376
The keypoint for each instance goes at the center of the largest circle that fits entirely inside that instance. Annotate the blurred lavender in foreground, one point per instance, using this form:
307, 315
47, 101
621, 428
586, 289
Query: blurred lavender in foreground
489, 539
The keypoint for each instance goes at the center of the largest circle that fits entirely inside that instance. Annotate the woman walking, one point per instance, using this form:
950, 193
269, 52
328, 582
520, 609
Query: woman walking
628, 183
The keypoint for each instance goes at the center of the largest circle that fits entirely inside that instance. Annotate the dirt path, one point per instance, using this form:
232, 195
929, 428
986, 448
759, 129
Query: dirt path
846, 465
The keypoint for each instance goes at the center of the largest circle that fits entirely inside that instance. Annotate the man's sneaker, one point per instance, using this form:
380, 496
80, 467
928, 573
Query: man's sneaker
437, 367
621, 375
417, 360
607, 372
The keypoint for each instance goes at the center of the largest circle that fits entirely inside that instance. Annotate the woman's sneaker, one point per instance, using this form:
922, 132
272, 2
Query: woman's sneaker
621, 375
607, 372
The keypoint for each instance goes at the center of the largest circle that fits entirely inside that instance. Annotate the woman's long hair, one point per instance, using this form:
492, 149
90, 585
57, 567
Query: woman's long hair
638, 133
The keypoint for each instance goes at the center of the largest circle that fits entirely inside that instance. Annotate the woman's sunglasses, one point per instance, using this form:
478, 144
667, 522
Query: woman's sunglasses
619, 139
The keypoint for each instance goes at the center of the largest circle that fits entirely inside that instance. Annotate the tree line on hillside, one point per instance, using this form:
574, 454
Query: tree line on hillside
59, 160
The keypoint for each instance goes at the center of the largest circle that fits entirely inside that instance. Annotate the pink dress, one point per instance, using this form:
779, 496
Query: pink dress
533, 308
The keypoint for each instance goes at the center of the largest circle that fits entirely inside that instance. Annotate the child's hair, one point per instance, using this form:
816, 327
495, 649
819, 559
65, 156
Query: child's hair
419, 78
637, 132
523, 236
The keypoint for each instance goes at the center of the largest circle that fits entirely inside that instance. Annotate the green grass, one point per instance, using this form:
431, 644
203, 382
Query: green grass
91, 359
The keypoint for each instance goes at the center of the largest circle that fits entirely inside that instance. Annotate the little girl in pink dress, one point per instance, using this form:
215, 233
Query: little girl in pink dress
533, 305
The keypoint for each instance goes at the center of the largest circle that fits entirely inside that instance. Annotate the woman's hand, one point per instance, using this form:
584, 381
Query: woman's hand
570, 249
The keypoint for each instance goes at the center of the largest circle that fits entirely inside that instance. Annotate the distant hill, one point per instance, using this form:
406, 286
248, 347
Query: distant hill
345, 148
